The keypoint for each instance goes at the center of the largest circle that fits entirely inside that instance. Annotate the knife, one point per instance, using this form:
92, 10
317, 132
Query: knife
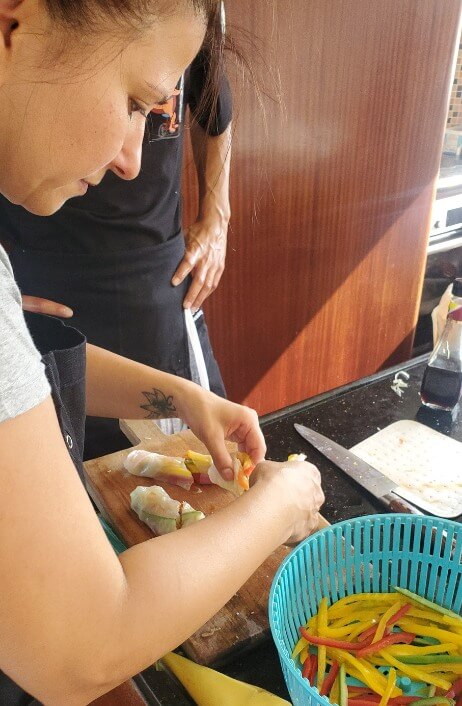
372, 480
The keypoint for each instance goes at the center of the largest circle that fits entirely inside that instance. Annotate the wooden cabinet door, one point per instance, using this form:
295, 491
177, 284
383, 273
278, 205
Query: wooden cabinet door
332, 185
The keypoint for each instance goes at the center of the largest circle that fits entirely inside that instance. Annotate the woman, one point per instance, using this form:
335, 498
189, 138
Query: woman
76, 79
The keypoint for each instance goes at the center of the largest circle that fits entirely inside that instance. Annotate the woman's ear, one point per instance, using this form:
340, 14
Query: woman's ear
8, 20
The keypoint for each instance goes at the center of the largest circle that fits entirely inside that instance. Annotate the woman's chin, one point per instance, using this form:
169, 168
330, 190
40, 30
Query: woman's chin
46, 203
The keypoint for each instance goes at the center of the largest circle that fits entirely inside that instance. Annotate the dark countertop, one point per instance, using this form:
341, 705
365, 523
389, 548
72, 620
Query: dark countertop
347, 415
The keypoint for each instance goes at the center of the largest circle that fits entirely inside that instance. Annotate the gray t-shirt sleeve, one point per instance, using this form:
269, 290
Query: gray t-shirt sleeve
23, 383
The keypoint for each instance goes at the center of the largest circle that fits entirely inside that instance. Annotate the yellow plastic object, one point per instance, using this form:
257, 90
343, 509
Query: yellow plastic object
210, 688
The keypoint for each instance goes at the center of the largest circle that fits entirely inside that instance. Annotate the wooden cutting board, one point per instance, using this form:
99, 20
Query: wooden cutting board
243, 621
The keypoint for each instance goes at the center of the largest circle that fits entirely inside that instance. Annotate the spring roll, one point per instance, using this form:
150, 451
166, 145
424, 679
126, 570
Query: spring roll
165, 469
160, 512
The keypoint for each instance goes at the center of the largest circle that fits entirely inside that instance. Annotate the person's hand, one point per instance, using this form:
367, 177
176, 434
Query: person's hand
37, 305
204, 258
297, 487
213, 419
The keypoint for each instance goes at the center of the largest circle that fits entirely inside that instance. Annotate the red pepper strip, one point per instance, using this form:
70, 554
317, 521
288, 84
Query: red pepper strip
455, 689
314, 669
362, 702
340, 644
459, 700
329, 679
403, 638
306, 669
394, 619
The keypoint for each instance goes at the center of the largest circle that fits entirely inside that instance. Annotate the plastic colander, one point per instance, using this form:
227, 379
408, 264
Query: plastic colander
362, 555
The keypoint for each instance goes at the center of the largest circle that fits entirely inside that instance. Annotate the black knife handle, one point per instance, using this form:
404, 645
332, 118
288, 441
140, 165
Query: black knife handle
397, 504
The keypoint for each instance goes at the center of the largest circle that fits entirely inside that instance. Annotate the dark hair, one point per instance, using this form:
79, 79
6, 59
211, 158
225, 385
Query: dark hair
134, 13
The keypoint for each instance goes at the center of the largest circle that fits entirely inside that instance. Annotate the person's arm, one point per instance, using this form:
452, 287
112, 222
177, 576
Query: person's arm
121, 388
75, 619
206, 238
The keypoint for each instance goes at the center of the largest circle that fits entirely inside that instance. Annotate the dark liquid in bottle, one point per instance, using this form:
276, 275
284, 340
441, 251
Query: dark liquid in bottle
441, 388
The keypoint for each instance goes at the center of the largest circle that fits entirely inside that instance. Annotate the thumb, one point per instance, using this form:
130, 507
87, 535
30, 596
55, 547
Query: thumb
221, 457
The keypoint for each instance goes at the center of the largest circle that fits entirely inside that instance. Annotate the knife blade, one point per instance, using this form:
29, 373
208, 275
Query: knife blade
368, 477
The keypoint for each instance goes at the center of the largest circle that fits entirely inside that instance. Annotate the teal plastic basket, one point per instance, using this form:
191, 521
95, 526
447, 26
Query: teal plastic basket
366, 554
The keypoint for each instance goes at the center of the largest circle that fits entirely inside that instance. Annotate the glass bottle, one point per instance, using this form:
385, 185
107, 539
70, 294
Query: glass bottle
442, 380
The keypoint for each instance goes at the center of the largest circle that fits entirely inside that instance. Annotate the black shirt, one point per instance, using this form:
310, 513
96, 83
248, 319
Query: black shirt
118, 214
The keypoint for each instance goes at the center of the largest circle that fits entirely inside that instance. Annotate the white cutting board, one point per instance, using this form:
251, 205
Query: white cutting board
425, 464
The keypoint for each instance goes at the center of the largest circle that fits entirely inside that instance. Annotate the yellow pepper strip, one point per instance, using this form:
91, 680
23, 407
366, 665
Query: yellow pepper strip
442, 667
322, 617
390, 686
435, 617
299, 647
379, 633
415, 673
335, 691
344, 604
428, 631
322, 652
405, 650
372, 677
304, 654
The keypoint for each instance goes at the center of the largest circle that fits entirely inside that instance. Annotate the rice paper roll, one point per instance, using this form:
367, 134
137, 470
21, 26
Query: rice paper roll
161, 513
165, 469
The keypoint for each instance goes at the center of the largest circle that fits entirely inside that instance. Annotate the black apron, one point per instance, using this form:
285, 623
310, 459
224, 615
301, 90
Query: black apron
123, 301
63, 353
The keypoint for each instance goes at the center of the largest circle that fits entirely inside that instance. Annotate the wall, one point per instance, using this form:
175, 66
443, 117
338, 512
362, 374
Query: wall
331, 192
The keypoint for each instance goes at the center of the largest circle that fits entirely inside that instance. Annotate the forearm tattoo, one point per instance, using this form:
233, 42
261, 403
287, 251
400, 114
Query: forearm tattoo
160, 406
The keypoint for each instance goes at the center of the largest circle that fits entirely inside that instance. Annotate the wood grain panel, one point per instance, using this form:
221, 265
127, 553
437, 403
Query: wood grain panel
331, 191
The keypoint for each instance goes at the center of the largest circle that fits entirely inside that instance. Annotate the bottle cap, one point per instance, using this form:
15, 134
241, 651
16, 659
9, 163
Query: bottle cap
457, 287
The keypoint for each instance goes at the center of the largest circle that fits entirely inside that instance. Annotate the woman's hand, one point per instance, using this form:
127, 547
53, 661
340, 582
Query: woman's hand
296, 486
213, 419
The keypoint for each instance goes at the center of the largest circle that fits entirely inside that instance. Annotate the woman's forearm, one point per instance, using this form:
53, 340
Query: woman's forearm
121, 388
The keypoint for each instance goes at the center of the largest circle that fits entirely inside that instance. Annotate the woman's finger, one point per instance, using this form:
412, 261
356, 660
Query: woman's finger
37, 305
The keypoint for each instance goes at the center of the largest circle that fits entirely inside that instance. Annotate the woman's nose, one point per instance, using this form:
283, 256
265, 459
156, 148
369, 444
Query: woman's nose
127, 164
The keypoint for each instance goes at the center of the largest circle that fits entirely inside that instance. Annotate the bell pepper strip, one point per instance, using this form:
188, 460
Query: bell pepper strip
433, 700
455, 689
440, 667
343, 689
304, 654
374, 698
335, 691
314, 669
383, 622
432, 659
400, 650
391, 639
342, 606
415, 673
427, 630
389, 623
328, 642
298, 648
363, 702
306, 669
322, 653
322, 662
329, 680
428, 604
391, 683
431, 616
359, 668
